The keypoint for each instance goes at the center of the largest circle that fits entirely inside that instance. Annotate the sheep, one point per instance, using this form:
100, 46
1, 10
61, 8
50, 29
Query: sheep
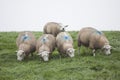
26, 44
45, 46
64, 43
93, 39
54, 28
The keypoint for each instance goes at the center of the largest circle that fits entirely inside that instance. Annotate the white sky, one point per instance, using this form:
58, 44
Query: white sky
20, 15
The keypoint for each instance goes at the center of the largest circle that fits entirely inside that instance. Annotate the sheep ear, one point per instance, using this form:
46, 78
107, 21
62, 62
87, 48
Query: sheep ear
22, 51
48, 52
74, 49
111, 47
16, 51
103, 47
66, 25
39, 54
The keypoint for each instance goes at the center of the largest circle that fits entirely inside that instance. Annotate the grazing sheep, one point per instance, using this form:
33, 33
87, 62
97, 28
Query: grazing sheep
26, 44
54, 28
93, 39
64, 44
45, 46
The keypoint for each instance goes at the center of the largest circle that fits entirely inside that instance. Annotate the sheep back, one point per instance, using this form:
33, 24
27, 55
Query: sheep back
26, 39
92, 38
52, 28
63, 41
46, 41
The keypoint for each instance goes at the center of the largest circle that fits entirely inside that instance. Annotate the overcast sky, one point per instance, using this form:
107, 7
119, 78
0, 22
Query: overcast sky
20, 15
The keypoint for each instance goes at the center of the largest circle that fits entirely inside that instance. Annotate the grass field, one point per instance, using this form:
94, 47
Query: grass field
82, 67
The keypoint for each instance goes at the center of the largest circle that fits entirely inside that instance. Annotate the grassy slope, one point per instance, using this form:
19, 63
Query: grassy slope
81, 67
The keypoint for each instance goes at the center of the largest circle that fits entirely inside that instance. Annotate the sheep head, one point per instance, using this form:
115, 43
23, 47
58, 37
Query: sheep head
44, 55
70, 52
62, 27
20, 55
107, 49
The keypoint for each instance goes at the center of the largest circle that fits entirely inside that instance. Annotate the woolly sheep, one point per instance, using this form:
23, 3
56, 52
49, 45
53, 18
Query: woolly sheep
45, 46
64, 44
26, 44
93, 39
54, 28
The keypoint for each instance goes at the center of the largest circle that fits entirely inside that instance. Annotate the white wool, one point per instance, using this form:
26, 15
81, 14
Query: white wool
44, 39
26, 33
65, 34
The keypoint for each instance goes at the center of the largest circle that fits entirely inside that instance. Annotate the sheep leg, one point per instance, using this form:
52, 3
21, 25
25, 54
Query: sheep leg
78, 50
92, 47
60, 57
32, 54
93, 52
79, 45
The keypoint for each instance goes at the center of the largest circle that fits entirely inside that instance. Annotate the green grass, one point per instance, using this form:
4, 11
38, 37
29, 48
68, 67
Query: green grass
82, 67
